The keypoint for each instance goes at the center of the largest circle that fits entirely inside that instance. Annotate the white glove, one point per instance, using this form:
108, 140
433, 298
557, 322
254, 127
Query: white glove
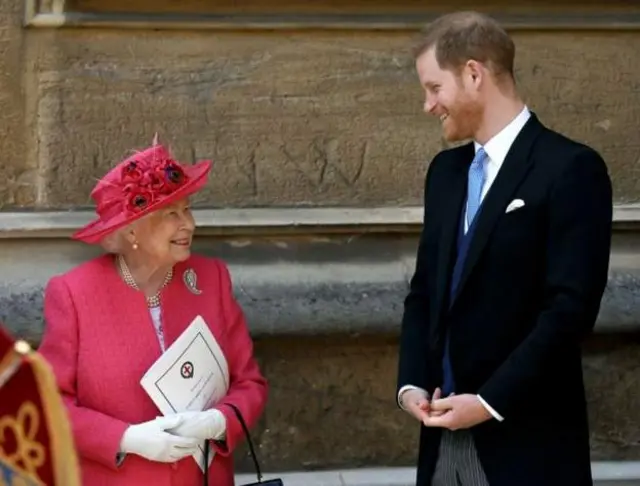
151, 441
210, 424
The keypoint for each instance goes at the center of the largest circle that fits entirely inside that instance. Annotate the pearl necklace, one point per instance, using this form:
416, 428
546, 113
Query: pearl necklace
154, 300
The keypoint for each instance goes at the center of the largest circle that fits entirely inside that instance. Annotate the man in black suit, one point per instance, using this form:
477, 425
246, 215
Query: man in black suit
511, 267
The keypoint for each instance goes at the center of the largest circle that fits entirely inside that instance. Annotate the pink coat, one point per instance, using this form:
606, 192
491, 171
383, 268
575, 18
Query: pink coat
100, 340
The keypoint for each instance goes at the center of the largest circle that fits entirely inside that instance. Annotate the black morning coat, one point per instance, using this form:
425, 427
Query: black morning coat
529, 292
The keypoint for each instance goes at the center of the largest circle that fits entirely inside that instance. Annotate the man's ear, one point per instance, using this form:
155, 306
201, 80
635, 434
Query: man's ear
474, 72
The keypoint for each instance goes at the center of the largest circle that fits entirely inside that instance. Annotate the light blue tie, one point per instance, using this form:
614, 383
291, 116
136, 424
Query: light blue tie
475, 184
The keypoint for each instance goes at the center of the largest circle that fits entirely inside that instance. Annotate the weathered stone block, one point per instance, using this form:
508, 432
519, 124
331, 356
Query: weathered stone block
611, 375
316, 118
344, 7
288, 287
18, 176
344, 410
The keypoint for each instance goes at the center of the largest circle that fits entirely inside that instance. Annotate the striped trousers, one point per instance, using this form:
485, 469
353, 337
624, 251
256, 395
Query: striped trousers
458, 463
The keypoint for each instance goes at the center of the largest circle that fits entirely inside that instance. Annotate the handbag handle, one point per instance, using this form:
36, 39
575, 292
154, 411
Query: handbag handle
245, 429
254, 457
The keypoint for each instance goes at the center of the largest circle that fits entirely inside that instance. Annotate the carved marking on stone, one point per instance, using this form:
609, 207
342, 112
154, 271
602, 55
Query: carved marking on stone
246, 163
324, 158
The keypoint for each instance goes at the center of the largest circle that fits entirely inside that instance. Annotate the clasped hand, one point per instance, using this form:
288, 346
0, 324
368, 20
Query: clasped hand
207, 425
453, 412
171, 438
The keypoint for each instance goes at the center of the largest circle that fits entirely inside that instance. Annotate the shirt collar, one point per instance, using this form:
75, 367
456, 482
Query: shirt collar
498, 146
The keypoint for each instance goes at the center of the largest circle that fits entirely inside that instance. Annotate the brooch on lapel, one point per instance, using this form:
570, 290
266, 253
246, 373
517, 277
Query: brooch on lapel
191, 281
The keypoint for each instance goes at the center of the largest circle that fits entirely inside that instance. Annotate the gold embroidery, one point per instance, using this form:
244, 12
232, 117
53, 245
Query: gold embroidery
29, 453
62, 452
16, 477
21, 481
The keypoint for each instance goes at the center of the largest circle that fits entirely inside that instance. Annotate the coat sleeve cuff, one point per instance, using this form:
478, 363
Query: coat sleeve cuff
233, 434
490, 409
404, 389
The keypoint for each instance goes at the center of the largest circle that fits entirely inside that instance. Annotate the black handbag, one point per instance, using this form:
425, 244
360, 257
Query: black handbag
269, 482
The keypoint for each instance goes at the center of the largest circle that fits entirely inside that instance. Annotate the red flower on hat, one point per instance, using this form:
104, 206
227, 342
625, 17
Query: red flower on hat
143, 184
137, 199
131, 172
172, 176
151, 181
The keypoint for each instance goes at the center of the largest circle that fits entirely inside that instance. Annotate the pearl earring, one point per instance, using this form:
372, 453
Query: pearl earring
135, 246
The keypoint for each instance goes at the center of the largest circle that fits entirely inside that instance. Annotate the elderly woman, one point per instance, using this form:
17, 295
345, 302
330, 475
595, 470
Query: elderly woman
109, 319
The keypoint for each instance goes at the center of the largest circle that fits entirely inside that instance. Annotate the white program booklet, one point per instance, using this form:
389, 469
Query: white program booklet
191, 375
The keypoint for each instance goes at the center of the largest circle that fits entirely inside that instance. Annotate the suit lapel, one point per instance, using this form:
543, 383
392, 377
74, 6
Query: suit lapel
456, 187
514, 168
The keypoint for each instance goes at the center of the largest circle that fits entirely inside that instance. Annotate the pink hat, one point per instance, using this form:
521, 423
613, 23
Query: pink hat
139, 185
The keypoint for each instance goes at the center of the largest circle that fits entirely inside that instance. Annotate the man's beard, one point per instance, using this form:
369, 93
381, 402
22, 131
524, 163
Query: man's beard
464, 119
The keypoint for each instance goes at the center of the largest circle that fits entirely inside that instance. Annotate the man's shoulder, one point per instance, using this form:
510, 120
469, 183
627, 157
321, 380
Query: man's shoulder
452, 158
560, 156
556, 147
458, 152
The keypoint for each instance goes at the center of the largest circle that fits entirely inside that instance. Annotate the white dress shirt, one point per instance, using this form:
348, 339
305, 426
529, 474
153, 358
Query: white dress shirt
496, 149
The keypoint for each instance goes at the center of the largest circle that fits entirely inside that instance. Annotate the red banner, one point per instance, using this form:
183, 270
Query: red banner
36, 445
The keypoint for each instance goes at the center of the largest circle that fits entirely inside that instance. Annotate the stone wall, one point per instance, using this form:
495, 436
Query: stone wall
17, 183
296, 117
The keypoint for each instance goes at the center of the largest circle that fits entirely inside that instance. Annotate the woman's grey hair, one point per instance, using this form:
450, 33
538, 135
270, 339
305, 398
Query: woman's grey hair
116, 242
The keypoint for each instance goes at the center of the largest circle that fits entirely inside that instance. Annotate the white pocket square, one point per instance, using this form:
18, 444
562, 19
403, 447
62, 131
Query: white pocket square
515, 204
